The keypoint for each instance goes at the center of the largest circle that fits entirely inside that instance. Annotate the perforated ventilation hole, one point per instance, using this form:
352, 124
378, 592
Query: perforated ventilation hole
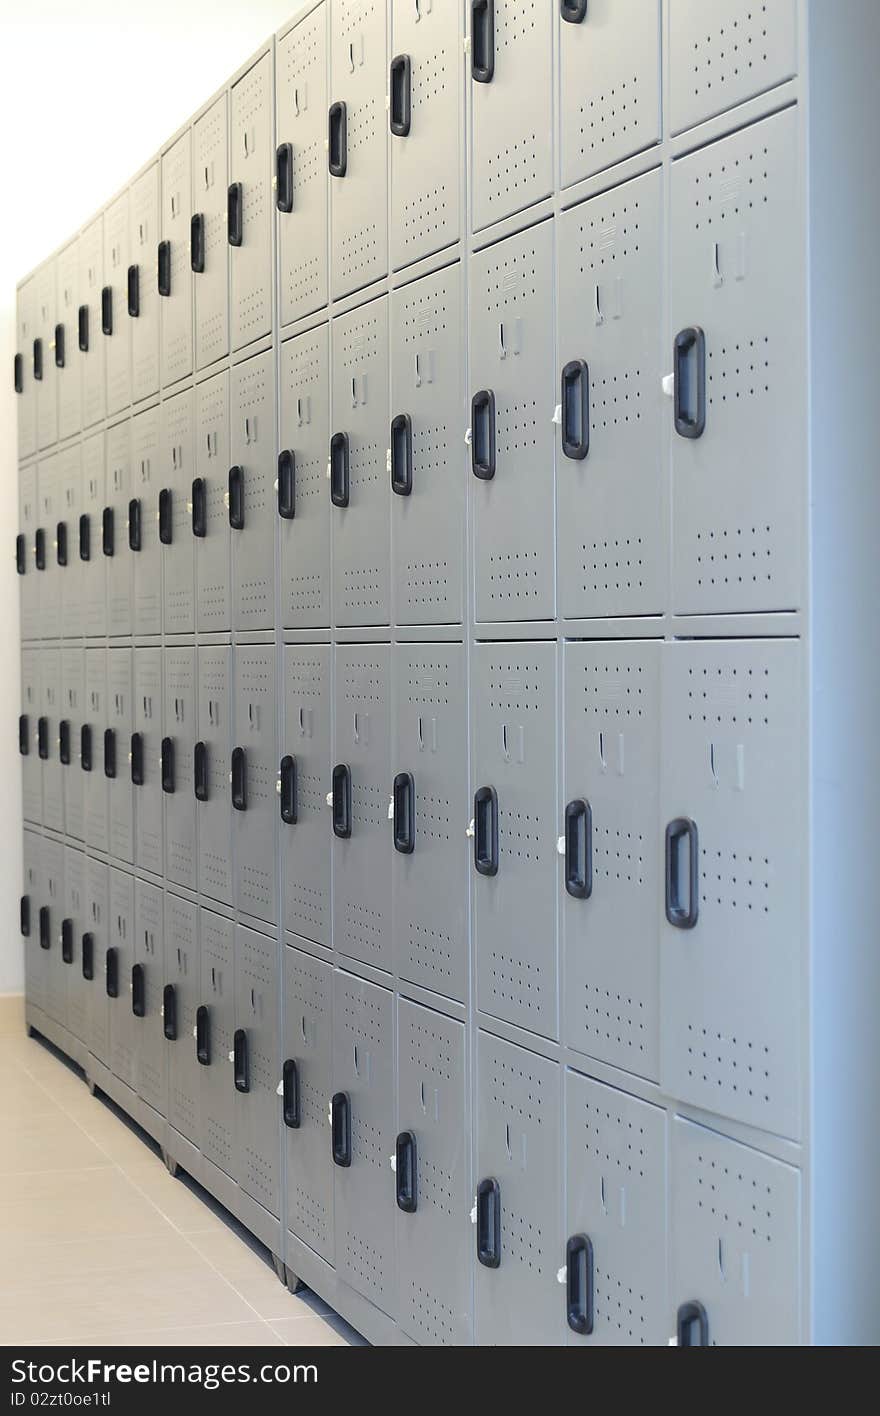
740, 184
613, 564
366, 463
514, 575
726, 696
307, 906
364, 931
735, 1193
737, 881
430, 950
519, 835
429, 1049
366, 1262
510, 283
618, 856
354, 15
607, 236
737, 47
516, 983
431, 1317
614, 690
363, 683
428, 683
729, 1066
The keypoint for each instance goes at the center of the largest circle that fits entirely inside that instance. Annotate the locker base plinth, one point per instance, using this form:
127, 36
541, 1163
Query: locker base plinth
294, 1282
170, 1163
314, 1272
280, 1269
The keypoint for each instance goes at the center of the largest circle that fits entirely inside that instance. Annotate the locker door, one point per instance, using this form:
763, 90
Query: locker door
214, 809
515, 833
91, 538
50, 712
427, 147
358, 486
182, 975
257, 1069
90, 340
429, 471
217, 1089
733, 765
49, 930
67, 541
94, 958
250, 172
115, 321
28, 513
305, 775
146, 477
45, 372
429, 870
175, 270
512, 159
120, 720
362, 1138
143, 308
73, 715
120, 958
211, 263
721, 55
361, 788
611, 872
28, 737
73, 926
611, 523
616, 1199
67, 361
432, 1180
519, 1246
175, 518
737, 273
178, 744
213, 567
255, 773
308, 1004
252, 492
358, 148
146, 773
149, 958
304, 507
735, 1241
512, 434
26, 400
49, 578
96, 724
120, 570
32, 902
300, 121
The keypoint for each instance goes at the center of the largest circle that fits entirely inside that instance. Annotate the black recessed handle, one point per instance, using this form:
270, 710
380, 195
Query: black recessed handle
682, 873
134, 524
240, 1061
236, 498
85, 747
286, 485
406, 1179
579, 1284
45, 927
18, 373
239, 779
689, 379
197, 243
111, 973
203, 1036
200, 771
133, 290
38, 360
339, 469
489, 1223
575, 397
61, 543
88, 956
288, 791
573, 11
338, 144
67, 941
40, 548
164, 277
43, 739
579, 849
400, 88
692, 1325
166, 516
108, 529
169, 1012
199, 508
167, 756
284, 177
404, 813
82, 328
234, 214
486, 831
138, 991
483, 435
483, 41
21, 553
24, 735
85, 537
64, 742
107, 310
109, 752
24, 915
290, 1094
401, 455
340, 1129
341, 798
59, 346
137, 759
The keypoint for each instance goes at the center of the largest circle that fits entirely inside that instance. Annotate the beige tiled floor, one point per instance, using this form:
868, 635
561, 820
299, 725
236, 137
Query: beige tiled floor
98, 1243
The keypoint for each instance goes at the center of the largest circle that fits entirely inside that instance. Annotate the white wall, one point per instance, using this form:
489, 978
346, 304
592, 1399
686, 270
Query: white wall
88, 90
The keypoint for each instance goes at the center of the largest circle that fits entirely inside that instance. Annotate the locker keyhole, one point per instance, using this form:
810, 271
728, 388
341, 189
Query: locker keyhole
721, 1259
507, 1140
422, 1095
302, 1024
421, 734
717, 277
213, 979
602, 751
213, 713
505, 743
603, 1199
178, 961
356, 1059
713, 768
253, 1002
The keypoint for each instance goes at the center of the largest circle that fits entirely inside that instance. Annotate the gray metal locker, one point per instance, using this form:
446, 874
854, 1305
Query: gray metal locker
46, 546
209, 248
301, 193
428, 455
430, 808
67, 541
120, 570
303, 505
512, 434
50, 917
735, 1244
115, 321
306, 1077
45, 370
432, 1178
94, 958
143, 295
73, 715
92, 737
360, 518
360, 793
251, 492
148, 995
720, 55
210, 514
91, 341
514, 726
217, 1029
26, 400
49, 738
305, 777
249, 228
616, 1168
177, 766
358, 145
91, 536
183, 991
612, 528
143, 522
361, 1139
175, 517
612, 869
511, 48
211, 773
256, 1068
74, 924
29, 737
146, 759
28, 514
253, 786
118, 977
737, 341
174, 280
518, 1203
67, 361
733, 755
117, 769
35, 965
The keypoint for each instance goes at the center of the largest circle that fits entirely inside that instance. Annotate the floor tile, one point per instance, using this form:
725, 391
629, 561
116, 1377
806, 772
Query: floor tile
34, 1146
312, 1331
255, 1334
